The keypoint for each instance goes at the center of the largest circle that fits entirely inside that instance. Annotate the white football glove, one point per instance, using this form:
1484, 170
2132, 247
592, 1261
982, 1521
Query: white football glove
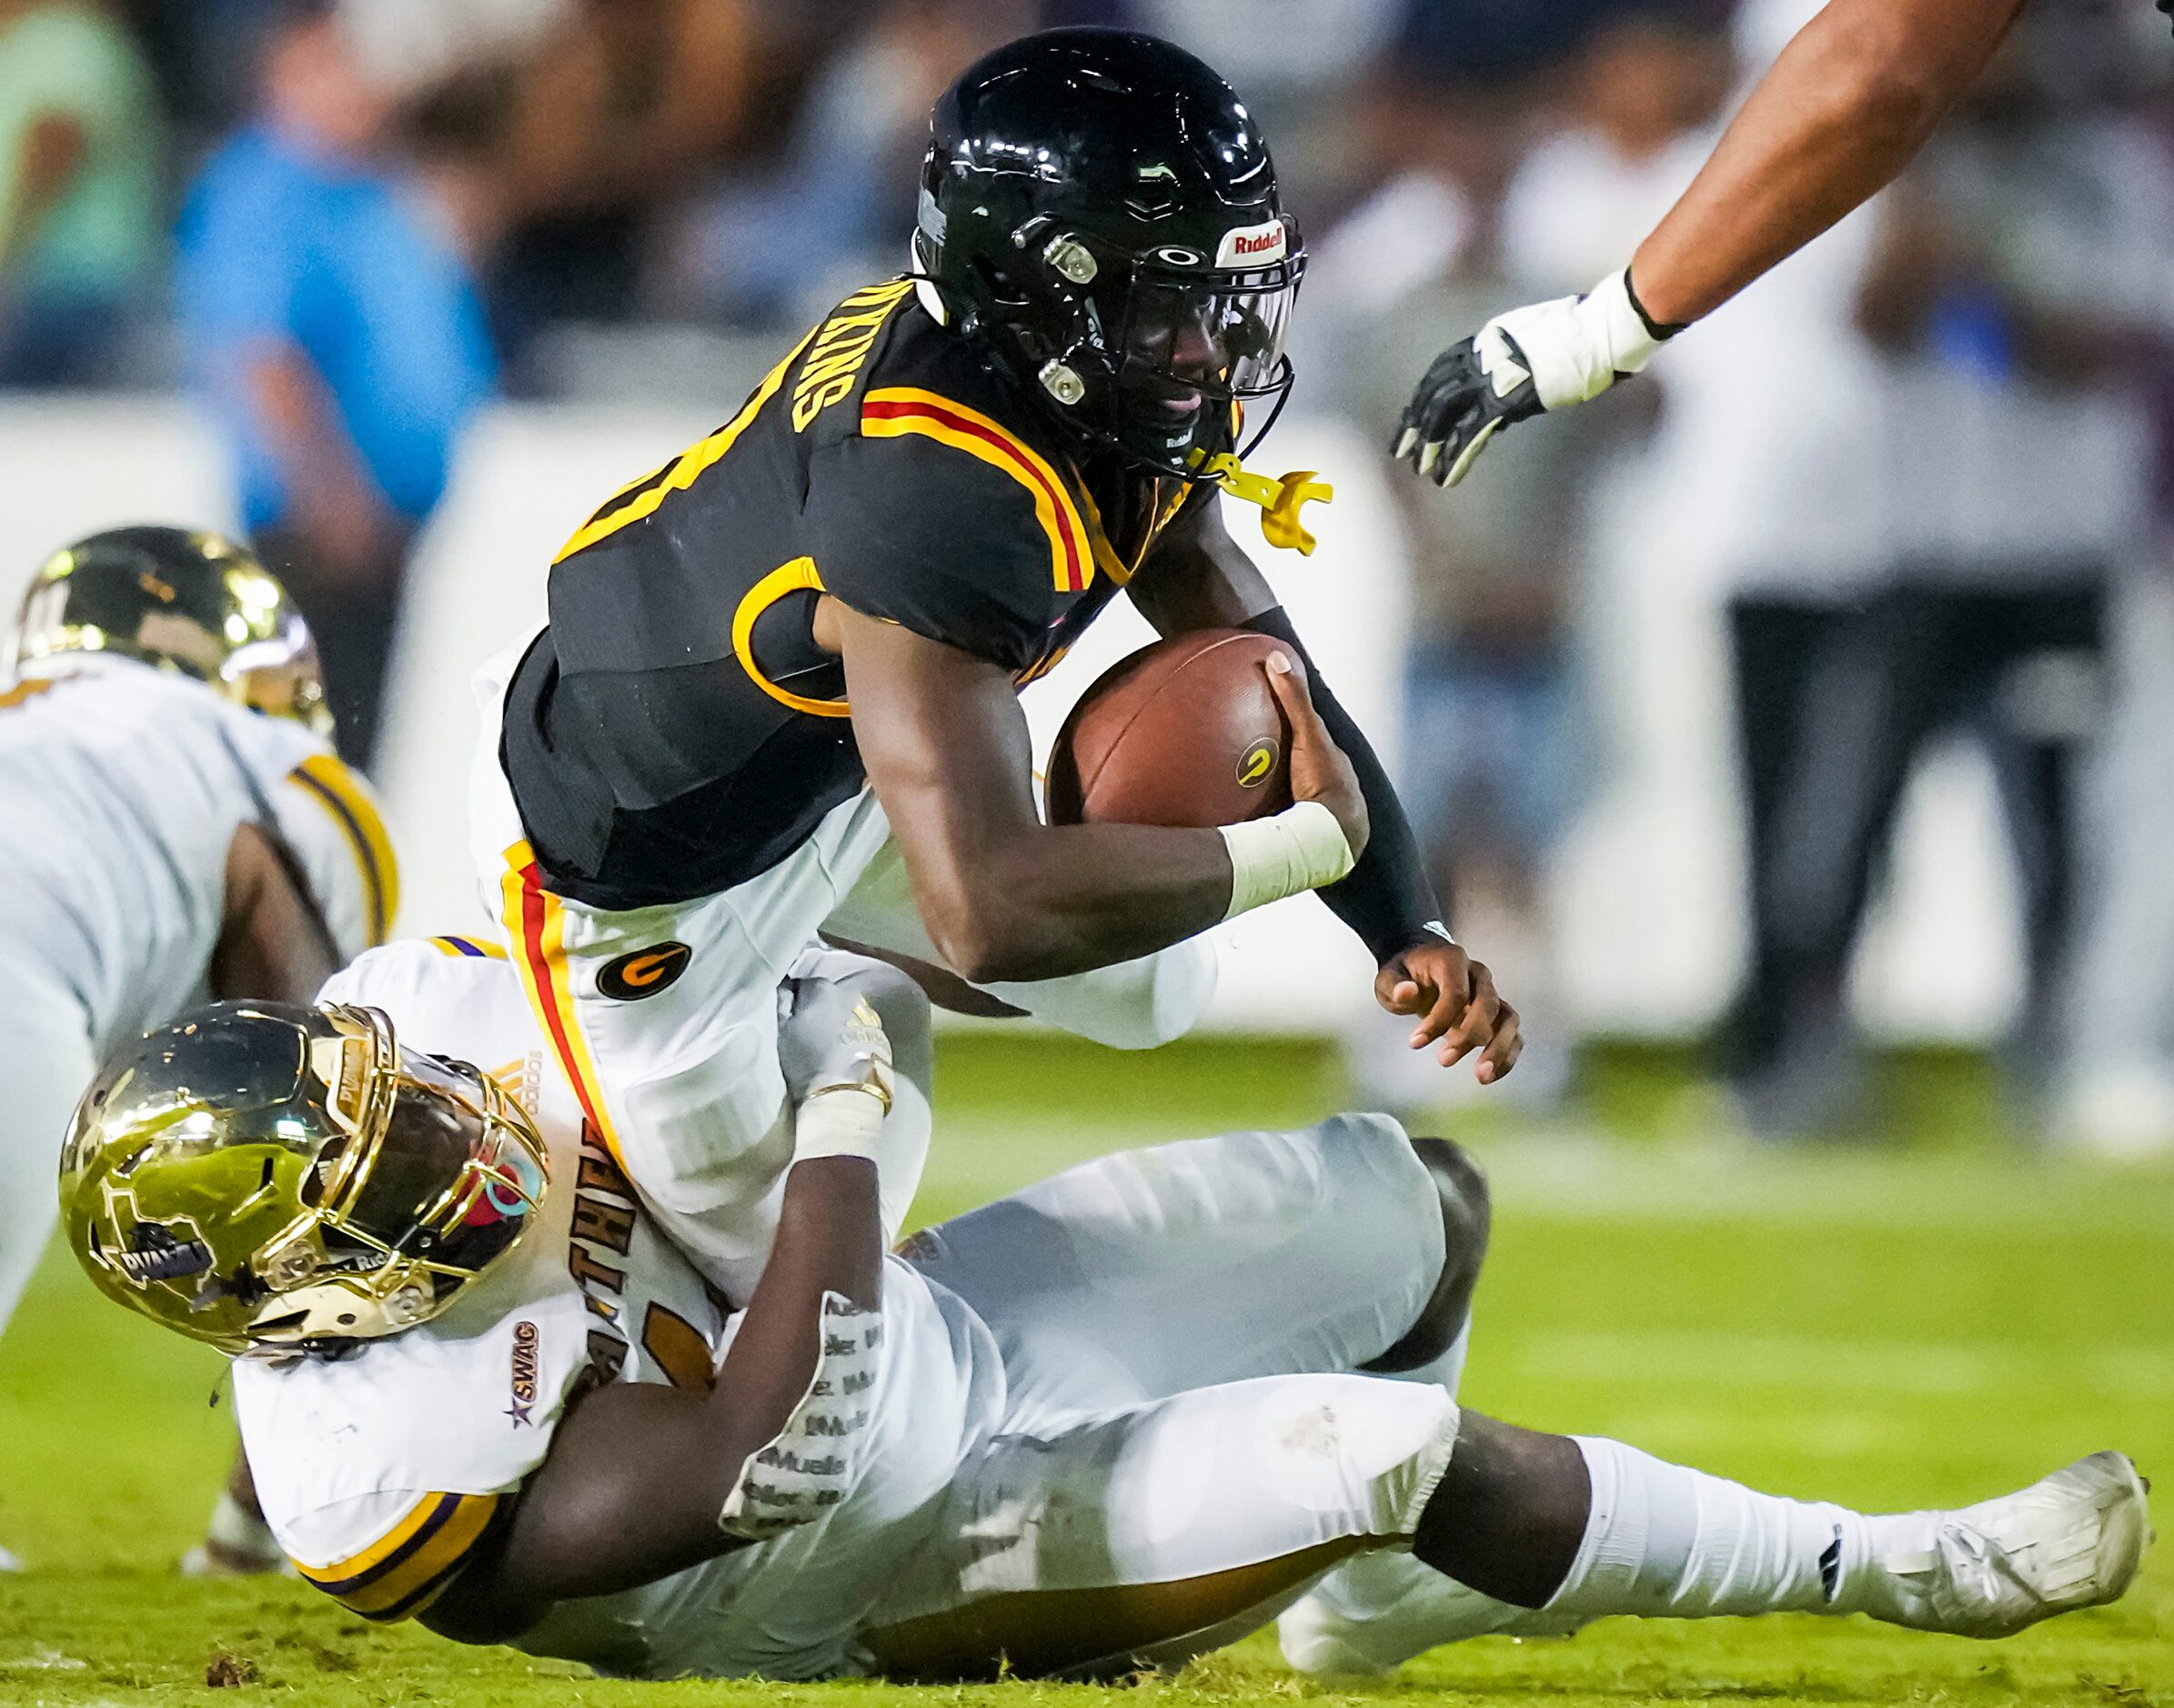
1548, 356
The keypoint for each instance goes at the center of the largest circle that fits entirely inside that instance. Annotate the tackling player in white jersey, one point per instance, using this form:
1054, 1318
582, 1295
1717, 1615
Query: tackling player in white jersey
173, 824
1111, 1421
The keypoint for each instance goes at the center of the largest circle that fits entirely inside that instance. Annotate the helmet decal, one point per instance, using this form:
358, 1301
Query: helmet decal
1254, 246
144, 1251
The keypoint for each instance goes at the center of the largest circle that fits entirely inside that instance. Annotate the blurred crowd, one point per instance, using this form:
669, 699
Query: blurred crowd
1924, 469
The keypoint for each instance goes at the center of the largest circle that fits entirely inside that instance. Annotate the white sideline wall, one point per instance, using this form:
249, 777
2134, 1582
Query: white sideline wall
1648, 893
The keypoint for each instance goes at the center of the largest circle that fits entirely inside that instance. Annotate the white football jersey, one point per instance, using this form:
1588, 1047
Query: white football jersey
379, 1471
121, 789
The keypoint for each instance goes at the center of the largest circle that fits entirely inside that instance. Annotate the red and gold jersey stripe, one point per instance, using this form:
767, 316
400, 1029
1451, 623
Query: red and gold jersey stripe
632, 504
346, 798
404, 1569
895, 411
535, 921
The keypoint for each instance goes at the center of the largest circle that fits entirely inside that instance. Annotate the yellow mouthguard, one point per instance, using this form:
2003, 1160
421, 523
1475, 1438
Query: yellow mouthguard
1279, 501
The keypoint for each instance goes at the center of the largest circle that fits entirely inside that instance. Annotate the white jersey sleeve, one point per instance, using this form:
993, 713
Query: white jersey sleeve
121, 789
328, 815
378, 1472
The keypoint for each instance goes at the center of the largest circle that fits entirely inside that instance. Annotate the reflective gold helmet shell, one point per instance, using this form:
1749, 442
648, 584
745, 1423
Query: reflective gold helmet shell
263, 1175
195, 603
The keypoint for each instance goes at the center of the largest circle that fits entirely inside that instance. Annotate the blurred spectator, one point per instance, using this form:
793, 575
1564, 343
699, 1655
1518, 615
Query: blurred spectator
2015, 279
204, 53
1495, 745
623, 117
780, 242
328, 298
80, 226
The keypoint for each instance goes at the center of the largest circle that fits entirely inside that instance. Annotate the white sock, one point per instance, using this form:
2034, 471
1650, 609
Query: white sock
1665, 1542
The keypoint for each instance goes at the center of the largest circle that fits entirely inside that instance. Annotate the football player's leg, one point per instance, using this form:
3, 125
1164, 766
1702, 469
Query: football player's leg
1542, 1533
238, 1543
665, 1021
45, 1061
1148, 1272
1150, 1536
1432, 1350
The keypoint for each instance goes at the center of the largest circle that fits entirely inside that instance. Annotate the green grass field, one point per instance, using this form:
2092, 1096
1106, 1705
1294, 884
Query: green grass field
1928, 1323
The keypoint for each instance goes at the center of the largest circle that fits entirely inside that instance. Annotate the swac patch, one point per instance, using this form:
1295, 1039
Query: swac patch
644, 971
525, 1337
1256, 765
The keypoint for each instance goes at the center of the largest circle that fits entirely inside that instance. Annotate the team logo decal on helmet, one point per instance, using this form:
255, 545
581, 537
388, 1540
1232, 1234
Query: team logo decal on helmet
144, 1252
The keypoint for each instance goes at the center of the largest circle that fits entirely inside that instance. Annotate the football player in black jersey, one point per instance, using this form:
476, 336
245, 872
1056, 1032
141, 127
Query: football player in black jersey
806, 634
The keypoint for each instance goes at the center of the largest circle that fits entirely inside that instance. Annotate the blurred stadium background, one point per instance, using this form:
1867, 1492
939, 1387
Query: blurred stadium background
1794, 728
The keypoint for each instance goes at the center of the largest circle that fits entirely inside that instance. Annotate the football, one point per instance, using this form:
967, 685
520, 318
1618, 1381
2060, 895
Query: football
1183, 732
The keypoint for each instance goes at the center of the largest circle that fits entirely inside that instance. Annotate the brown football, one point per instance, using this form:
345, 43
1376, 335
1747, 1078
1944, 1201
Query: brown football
1183, 732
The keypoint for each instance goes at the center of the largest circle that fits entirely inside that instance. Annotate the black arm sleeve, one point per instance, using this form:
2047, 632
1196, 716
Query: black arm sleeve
1388, 901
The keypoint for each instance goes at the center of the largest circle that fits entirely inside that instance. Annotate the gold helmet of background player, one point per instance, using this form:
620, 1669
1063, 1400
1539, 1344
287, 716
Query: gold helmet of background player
195, 603
267, 1177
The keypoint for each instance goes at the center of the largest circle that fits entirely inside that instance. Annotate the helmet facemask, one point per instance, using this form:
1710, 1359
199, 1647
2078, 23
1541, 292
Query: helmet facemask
1163, 359
434, 1177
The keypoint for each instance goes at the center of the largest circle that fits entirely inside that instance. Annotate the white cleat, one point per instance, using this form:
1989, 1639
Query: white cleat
8, 1562
2074, 1539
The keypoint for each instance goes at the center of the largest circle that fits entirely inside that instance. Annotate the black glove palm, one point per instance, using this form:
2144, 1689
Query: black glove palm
1459, 406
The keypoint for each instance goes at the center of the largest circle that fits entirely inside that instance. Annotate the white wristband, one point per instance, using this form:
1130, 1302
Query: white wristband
840, 1121
1298, 850
1575, 346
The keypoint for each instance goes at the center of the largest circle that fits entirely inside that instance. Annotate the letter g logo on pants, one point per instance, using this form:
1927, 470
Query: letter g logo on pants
644, 972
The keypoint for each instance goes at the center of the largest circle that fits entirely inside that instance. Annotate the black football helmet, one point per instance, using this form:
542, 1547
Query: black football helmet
1100, 208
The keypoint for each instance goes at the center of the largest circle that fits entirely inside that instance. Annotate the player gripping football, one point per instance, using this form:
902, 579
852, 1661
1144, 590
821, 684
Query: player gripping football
805, 635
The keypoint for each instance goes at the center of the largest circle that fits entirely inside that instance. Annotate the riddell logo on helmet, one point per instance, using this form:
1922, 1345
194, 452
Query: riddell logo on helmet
1252, 245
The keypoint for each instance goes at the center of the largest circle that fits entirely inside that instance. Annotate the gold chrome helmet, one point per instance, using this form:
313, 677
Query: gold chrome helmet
267, 1177
194, 603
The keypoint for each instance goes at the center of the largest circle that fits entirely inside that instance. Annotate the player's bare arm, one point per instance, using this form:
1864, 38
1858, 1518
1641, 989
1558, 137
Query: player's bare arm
639, 1473
1844, 110
1006, 898
1200, 578
274, 943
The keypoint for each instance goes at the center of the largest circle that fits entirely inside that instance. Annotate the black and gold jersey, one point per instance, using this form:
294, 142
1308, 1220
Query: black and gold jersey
675, 731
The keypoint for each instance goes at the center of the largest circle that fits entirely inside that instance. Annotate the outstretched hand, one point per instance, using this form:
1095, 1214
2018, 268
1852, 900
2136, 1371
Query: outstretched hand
1457, 1003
